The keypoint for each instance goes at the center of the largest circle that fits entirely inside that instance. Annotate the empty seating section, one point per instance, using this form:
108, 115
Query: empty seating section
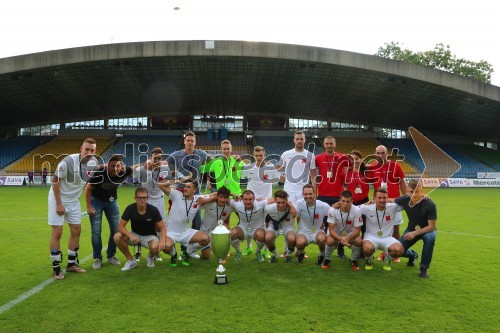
15, 147
485, 155
470, 166
275, 145
137, 148
51, 153
407, 149
213, 146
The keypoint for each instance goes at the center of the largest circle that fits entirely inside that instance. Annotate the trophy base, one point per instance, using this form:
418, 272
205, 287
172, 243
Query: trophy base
220, 279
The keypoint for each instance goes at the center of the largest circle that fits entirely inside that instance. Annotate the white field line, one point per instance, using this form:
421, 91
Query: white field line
24, 218
35, 290
465, 234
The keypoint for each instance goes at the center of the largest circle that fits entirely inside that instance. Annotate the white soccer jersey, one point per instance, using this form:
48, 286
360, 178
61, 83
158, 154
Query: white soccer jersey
149, 179
297, 168
73, 175
261, 180
311, 218
386, 219
345, 220
181, 213
214, 213
250, 218
277, 215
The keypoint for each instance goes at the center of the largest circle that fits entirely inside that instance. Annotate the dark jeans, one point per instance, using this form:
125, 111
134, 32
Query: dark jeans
429, 238
112, 212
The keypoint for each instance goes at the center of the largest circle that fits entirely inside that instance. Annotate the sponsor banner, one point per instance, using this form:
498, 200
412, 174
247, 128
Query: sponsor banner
488, 175
459, 182
13, 180
2, 180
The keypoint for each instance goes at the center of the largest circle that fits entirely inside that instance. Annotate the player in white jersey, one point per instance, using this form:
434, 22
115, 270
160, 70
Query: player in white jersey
150, 175
64, 205
298, 164
251, 215
382, 229
261, 177
279, 222
183, 209
344, 225
215, 211
311, 214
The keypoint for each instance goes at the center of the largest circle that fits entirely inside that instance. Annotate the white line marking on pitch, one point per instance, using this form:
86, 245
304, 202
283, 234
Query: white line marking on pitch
35, 290
464, 234
24, 219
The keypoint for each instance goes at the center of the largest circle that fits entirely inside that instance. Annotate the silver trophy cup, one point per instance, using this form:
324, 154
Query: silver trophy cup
220, 248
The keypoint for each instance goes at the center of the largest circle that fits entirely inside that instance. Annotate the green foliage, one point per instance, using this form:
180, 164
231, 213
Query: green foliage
440, 58
461, 294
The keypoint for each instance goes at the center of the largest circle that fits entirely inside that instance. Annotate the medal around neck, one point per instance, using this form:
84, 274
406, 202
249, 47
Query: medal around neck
220, 247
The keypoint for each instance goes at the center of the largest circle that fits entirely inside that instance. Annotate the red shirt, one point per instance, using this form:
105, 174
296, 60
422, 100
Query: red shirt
355, 179
331, 186
389, 173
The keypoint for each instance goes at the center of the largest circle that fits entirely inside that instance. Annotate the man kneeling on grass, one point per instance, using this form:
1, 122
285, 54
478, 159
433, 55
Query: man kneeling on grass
145, 219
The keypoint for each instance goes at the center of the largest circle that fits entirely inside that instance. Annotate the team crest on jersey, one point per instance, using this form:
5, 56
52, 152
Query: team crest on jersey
349, 222
387, 218
265, 177
304, 160
288, 220
316, 216
195, 205
161, 178
224, 214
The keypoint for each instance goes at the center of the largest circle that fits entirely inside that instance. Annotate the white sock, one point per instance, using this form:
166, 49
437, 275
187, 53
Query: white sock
355, 252
328, 252
260, 245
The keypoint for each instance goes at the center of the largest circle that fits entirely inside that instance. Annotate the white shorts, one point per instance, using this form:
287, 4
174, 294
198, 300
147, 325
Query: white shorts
311, 237
160, 204
381, 243
282, 231
248, 232
143, 240
73, 214
182, 238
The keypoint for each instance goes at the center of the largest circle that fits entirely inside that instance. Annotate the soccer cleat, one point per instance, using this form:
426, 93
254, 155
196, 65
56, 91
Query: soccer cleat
114, 261
326, 264
300, 258
283, 255
423, 273
369, 263
75, 269
158, 257
320, 259
260, 257
267, 254
59, 276
129, 265
387, 265
273, 259
173, 261
185, 260
238, 255
381, 256
150, 261
354, 265
397, 260
288, 259
411, 261
194, 255
137, 256
247, 251
97, 263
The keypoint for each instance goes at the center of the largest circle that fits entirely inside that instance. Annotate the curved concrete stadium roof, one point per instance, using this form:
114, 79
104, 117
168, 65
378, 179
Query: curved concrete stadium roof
235, 77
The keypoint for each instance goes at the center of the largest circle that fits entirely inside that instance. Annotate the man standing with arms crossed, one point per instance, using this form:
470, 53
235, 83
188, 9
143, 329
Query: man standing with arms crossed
64, 205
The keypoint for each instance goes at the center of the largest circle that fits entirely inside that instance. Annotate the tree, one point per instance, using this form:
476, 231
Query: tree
440, 58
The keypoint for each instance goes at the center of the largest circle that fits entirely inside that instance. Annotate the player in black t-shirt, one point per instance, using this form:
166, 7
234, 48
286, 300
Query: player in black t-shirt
100, 194
145, 220
422, 216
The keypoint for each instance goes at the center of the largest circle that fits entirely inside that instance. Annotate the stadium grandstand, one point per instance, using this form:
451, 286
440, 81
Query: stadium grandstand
133, 97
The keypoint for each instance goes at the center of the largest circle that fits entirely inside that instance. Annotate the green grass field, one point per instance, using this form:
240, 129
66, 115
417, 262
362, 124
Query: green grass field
461, 295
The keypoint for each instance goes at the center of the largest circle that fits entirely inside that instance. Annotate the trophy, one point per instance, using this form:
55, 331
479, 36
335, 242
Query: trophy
220, 247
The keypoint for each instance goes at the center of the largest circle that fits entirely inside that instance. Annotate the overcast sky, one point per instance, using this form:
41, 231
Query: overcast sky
471, 28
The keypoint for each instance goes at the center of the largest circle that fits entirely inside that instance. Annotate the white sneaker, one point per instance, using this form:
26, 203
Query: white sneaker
194, 255
114, 261
97, 263
150, 262
129, 265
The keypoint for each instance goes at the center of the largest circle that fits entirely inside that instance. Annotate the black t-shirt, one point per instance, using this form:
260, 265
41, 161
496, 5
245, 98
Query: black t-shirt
103, 186
143, 225
420, 213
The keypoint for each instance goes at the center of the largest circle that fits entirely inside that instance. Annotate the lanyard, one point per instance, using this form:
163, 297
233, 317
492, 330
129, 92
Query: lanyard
330, 165
188, 209
378, 221
217, 211
157, 178
314, 212
347, 217
246, 215
228, 166
356, 179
